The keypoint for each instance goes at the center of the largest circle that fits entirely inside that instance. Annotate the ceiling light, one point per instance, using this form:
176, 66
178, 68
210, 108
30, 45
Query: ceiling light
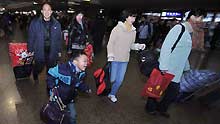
2, 9
73, 3
35, 3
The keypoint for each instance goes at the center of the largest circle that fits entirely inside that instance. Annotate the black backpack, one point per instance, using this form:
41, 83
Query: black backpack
148, 59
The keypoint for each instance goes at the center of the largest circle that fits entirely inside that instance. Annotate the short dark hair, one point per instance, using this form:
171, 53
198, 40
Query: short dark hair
48, 3
79, 11
196, 12
126, 13
77, 54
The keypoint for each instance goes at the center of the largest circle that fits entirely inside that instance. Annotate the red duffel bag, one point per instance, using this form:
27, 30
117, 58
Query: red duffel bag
157, 84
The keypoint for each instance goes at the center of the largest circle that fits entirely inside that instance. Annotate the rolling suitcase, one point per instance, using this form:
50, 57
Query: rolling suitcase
20, 60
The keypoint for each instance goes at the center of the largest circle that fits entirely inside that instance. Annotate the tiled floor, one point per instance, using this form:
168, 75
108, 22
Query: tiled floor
21, 100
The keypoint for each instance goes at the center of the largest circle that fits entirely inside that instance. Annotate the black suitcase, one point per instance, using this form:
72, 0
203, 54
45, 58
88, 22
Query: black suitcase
24, 71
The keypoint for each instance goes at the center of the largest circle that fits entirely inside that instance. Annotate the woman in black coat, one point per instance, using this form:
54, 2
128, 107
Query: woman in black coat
78, 33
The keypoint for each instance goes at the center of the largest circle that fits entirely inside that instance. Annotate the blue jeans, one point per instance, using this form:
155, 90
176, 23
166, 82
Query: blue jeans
118, 70
72, 110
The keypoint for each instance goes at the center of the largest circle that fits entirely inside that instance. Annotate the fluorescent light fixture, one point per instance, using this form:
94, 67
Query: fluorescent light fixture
207, 19
2, 9
167, 18
73, 3
217, 19
151, 14
35, 3
163, 14
87, 0
70, 11
34, 11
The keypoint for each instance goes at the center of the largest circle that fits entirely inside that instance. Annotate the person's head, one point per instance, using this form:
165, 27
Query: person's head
80, 59
79, 16
196, 15
129, 16
46, 11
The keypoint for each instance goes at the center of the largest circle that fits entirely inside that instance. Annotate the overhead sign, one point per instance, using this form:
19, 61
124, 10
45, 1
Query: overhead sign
171, 14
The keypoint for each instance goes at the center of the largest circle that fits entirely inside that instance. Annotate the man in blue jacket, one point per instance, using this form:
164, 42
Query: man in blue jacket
44, 40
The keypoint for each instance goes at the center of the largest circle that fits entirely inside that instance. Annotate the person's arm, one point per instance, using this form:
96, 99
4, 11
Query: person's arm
111, 45
59, 40
137, 46
52, 77
83, 87
70, 35
167, 45
31, 37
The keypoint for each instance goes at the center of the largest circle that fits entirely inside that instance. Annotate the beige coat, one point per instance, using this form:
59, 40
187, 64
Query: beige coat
120, 43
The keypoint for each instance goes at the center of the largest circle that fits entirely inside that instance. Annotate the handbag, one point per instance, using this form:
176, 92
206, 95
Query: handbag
157, 84
148, 60
102, 79
55, 112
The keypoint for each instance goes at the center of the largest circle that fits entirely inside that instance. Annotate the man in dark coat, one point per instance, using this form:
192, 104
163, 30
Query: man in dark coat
44, 40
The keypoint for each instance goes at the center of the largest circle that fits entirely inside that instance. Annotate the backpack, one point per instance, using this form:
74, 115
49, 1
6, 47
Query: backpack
148, 59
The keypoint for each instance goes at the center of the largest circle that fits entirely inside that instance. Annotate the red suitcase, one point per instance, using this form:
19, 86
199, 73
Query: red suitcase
21, 61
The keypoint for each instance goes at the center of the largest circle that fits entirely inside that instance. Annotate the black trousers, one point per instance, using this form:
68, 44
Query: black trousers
39, 66
169, 97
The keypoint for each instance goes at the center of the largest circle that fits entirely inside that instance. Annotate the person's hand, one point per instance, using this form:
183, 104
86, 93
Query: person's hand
142, 46
163, 71
110, 58
87, 43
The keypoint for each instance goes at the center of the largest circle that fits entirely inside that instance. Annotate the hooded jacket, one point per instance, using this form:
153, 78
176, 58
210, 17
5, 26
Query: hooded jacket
67, 79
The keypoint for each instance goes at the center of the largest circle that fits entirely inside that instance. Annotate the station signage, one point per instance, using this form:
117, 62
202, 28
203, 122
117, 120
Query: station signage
171, 14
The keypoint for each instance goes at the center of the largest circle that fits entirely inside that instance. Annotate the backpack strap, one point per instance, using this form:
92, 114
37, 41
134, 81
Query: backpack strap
180, 35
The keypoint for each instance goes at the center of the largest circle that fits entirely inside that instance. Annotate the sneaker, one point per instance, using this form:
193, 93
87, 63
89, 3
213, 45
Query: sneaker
112, 98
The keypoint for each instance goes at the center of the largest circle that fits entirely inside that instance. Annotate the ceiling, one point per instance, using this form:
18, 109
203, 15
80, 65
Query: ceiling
120, 4
162, 4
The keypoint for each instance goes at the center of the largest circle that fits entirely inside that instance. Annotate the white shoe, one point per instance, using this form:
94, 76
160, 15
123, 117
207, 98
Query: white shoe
112, 98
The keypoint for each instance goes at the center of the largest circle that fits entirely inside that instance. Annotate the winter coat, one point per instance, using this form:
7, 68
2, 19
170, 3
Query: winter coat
36, 39
143, 29
177, 61
120, 43
78, 36
68, 81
